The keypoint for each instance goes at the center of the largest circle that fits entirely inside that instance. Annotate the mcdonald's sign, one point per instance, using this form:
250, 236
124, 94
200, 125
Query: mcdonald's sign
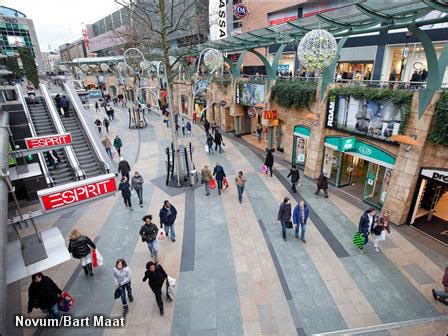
270, 114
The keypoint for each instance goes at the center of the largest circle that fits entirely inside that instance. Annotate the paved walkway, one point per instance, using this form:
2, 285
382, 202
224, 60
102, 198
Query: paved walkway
236, 275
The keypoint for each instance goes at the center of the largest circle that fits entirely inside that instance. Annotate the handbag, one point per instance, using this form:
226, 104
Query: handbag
117, 293
358, 240
376, 230
212, 183
161, 235
169, 292
66, 302
264, 168
289, 225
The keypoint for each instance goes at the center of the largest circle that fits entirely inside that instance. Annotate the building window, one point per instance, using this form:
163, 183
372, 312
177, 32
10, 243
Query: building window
237, 24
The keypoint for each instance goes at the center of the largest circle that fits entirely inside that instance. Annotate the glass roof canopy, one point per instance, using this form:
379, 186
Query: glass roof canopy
359, 17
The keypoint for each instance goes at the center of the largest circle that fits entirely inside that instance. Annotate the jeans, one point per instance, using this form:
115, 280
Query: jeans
297, 229
167, 228
210, 148
207, 187
109, 152
123, 289
152, 246
366, 238
325, 191
240, 193
443, 295
219, 184
283, 229
53, 311
127, 201
218, 146
139, 192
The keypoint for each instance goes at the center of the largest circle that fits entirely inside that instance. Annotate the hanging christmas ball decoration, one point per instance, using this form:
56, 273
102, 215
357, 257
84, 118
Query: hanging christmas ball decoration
85, 67
317, 50
145, 65
104, 67
121, 66
213, 60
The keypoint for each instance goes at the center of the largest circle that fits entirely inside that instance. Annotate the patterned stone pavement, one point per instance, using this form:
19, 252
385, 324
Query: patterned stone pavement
236, 275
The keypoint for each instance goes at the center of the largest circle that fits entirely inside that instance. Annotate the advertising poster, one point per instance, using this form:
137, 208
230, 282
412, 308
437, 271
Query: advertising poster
249, 94
301, 150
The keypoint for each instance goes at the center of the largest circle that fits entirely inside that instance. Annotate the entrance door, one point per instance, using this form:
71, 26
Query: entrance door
346, 170
373, 184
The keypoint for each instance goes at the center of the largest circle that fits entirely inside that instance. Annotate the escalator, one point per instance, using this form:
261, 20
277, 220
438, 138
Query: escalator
43, 125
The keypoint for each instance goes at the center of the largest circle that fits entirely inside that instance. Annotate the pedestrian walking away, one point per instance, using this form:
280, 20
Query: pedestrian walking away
442, 295
210, 143
53, 158
365, 223
269, 161
122, 278
156, 276
206, 126
218, 141
80, 247
300, 217
295, 177
213, 126
57, 100
189, 127
148, 232
182, 125
44, 294
98, 124
322, 184
240, 181
125, 192
219, 174
168, 214
124, 168
379, 229
65, 104
106, 124
97, 107
259, 132
284, 215
206, 177
137, 184
118, 144
107, 146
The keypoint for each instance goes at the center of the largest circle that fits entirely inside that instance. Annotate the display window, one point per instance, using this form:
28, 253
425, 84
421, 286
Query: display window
354, 71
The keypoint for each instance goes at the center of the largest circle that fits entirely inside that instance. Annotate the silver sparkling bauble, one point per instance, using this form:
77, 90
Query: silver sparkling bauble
317, 50
213, 60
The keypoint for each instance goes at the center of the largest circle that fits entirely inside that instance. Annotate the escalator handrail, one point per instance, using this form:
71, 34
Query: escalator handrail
48, 178
72, 159
69, 89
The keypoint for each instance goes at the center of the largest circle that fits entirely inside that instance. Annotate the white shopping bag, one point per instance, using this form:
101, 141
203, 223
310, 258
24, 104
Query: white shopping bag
171, 281
99, 257
206, 148
161, 235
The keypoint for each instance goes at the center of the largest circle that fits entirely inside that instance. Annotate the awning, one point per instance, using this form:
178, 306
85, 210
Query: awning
302, 131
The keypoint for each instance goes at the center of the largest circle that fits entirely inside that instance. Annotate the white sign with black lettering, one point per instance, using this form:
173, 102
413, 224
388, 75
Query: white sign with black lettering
217, 15
439, 175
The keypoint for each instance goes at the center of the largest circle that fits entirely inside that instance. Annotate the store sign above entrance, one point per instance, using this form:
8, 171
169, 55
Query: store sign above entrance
347, 144
240, 10
439, 175
270, 114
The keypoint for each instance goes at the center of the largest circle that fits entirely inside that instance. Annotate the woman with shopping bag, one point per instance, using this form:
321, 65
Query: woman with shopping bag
80, 247
122, 278
156, 276
219, 174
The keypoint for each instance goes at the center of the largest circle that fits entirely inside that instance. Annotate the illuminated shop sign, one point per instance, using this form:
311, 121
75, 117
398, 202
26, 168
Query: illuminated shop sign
240, 10
48, 141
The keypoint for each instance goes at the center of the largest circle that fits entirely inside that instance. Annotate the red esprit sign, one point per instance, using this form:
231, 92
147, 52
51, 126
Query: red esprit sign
77, 192
49, 141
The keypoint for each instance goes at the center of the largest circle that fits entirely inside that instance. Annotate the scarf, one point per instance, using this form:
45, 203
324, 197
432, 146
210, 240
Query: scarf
168, 211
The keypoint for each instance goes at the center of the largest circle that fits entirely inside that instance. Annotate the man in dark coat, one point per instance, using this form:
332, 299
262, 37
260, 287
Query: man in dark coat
168, 215
322, 183
300, 217
284, 215
295, 177
65, 104
269, 161
124, 168
44, 294
219, 174
57, 100
365, 223
125, 188
218, 141
206, 126
156, 276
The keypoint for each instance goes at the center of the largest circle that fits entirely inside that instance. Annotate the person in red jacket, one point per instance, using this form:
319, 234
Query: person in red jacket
442, 295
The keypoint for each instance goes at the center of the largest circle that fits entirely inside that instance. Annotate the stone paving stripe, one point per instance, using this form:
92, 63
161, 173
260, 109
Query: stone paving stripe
160, 182
419, 275
282, 279
188, 244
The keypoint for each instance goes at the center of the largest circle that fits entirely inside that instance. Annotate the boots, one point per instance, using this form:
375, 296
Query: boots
89, 267
125, 310
86, 271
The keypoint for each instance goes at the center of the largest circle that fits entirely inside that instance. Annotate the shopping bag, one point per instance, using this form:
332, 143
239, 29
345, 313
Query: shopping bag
212, 183
97, 258
171, 281
206, 148
161, 235
264, 168
225, 183
169, 293
66, 302
117, 293
358, 240
289, 225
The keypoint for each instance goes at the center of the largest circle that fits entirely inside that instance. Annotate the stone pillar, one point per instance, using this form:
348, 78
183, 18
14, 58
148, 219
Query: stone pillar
315, 152
407, 166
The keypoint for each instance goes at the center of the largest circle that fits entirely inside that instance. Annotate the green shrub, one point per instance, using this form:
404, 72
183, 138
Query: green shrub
439, 129
293, 94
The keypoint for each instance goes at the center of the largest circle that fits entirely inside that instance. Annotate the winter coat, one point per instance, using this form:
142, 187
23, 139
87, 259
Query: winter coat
79, 247
122, 276
106, 143
156, 278
218, 138
118, 143
297, 214
165, 218
106, 122
207, 125
125, 189
43, 294
322, 182
124, 168
98, 123
210, 140
137, 182
445, 278
219, 173
295, 175
240, 181
269, 160
284, 212
64, 103
364, 223
206, 175
148, 232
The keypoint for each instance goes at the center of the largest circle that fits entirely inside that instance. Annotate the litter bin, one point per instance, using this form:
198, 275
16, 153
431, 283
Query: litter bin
192, 177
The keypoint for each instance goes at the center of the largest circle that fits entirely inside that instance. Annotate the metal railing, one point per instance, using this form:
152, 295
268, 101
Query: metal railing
48, 179
77, 106
70, 153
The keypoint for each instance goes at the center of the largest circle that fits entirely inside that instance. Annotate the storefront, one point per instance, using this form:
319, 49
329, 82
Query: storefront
360, 168
300, 145
430, 204
251, 97
361, 70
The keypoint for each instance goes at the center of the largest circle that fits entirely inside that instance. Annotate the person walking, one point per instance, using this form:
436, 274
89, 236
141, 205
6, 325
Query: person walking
53, 158
300, 217
240, 181
213, 126
107, 146
259, 132
168, 214
80, 247
98, 124
206, 126
137, 184
210, 143
97, 107
125, 188
156, 276
380, 226
284, 215
295, 177
365, 223
148, 232
189, 127
122, 277
442, 295
182, 125
269, 161
65, 104
124, 168
57, 101
206, 177
218, 140
219, 174
118, 144
106, 124
44, 294
322, 183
